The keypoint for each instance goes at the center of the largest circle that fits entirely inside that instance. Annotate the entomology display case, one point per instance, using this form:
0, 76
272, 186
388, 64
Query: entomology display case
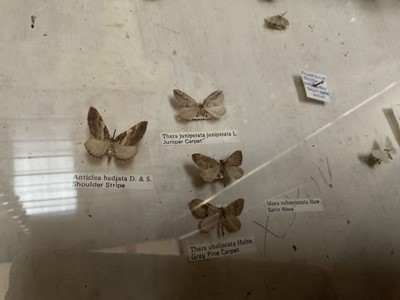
183, 149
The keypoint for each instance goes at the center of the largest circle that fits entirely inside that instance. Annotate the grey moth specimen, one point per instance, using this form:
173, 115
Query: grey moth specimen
100, 143
225, 168
221, 217
384, 155
278, 22
212, 106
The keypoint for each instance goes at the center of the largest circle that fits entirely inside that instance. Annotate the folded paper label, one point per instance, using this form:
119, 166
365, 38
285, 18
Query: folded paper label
315, 86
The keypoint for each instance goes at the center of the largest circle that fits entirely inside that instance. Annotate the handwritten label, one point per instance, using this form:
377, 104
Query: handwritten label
221, 249
315, 86
198, 138
396, 112
293, 205
120, 182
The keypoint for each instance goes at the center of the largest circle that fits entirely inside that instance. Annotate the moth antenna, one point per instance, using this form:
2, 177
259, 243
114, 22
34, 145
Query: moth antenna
114, 133
283, 14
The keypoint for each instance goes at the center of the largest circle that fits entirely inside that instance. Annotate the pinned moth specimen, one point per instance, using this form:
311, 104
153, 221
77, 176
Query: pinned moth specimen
278, 22
212, 106
221, 217
384, 155
224, 169
100, 143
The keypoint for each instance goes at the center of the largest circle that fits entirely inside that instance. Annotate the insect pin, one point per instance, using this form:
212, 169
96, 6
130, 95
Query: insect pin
223, 169
221, 217
278, 22
212, 106
123, 147
384, 155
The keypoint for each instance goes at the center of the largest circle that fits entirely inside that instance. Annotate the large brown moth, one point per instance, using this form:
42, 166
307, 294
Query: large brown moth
278, 22
212, 216
212, 106
223, 169
100, 143
384, 155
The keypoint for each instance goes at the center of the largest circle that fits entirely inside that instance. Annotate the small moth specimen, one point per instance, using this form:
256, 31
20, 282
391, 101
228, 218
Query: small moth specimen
33, 19
212, 106
101, 143
384, 155
212, 216
213, 169
278, 22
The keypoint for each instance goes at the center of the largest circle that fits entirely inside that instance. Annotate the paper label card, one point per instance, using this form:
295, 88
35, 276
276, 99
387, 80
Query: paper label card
221, 249
293, 205
198, 138
396, 112
120, 182
315, 86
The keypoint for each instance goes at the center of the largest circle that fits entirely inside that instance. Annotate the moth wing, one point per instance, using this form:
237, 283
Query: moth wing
201, 210
235, 159
389, 145
208, 223
133, 135
124, 152
233, 171
214, 104
235, 208
97, 127
380, 155
210, 174
189, 113
231, 223
210, 167
97, 148
204, 161
184, 99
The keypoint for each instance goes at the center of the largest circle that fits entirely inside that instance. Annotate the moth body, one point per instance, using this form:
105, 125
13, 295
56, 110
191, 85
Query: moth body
221, 217
123, 147
384, 155
223, 169
211, 107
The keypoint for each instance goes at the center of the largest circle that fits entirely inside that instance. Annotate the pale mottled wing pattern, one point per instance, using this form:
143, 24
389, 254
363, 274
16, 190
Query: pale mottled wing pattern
99, 142
231, 223
97, 127
97, 148
380, 155
278, 22
230, 220
190, 108
189, 113
235, 208
209, 214
124, 143
232, 164
389, 146
201, 210
210, 167
184, 99
209, 223
214, 104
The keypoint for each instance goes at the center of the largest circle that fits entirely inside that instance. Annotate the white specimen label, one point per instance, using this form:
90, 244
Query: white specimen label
198, 138
315, 86
121, 182
221, 249
396, 112
293, 205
